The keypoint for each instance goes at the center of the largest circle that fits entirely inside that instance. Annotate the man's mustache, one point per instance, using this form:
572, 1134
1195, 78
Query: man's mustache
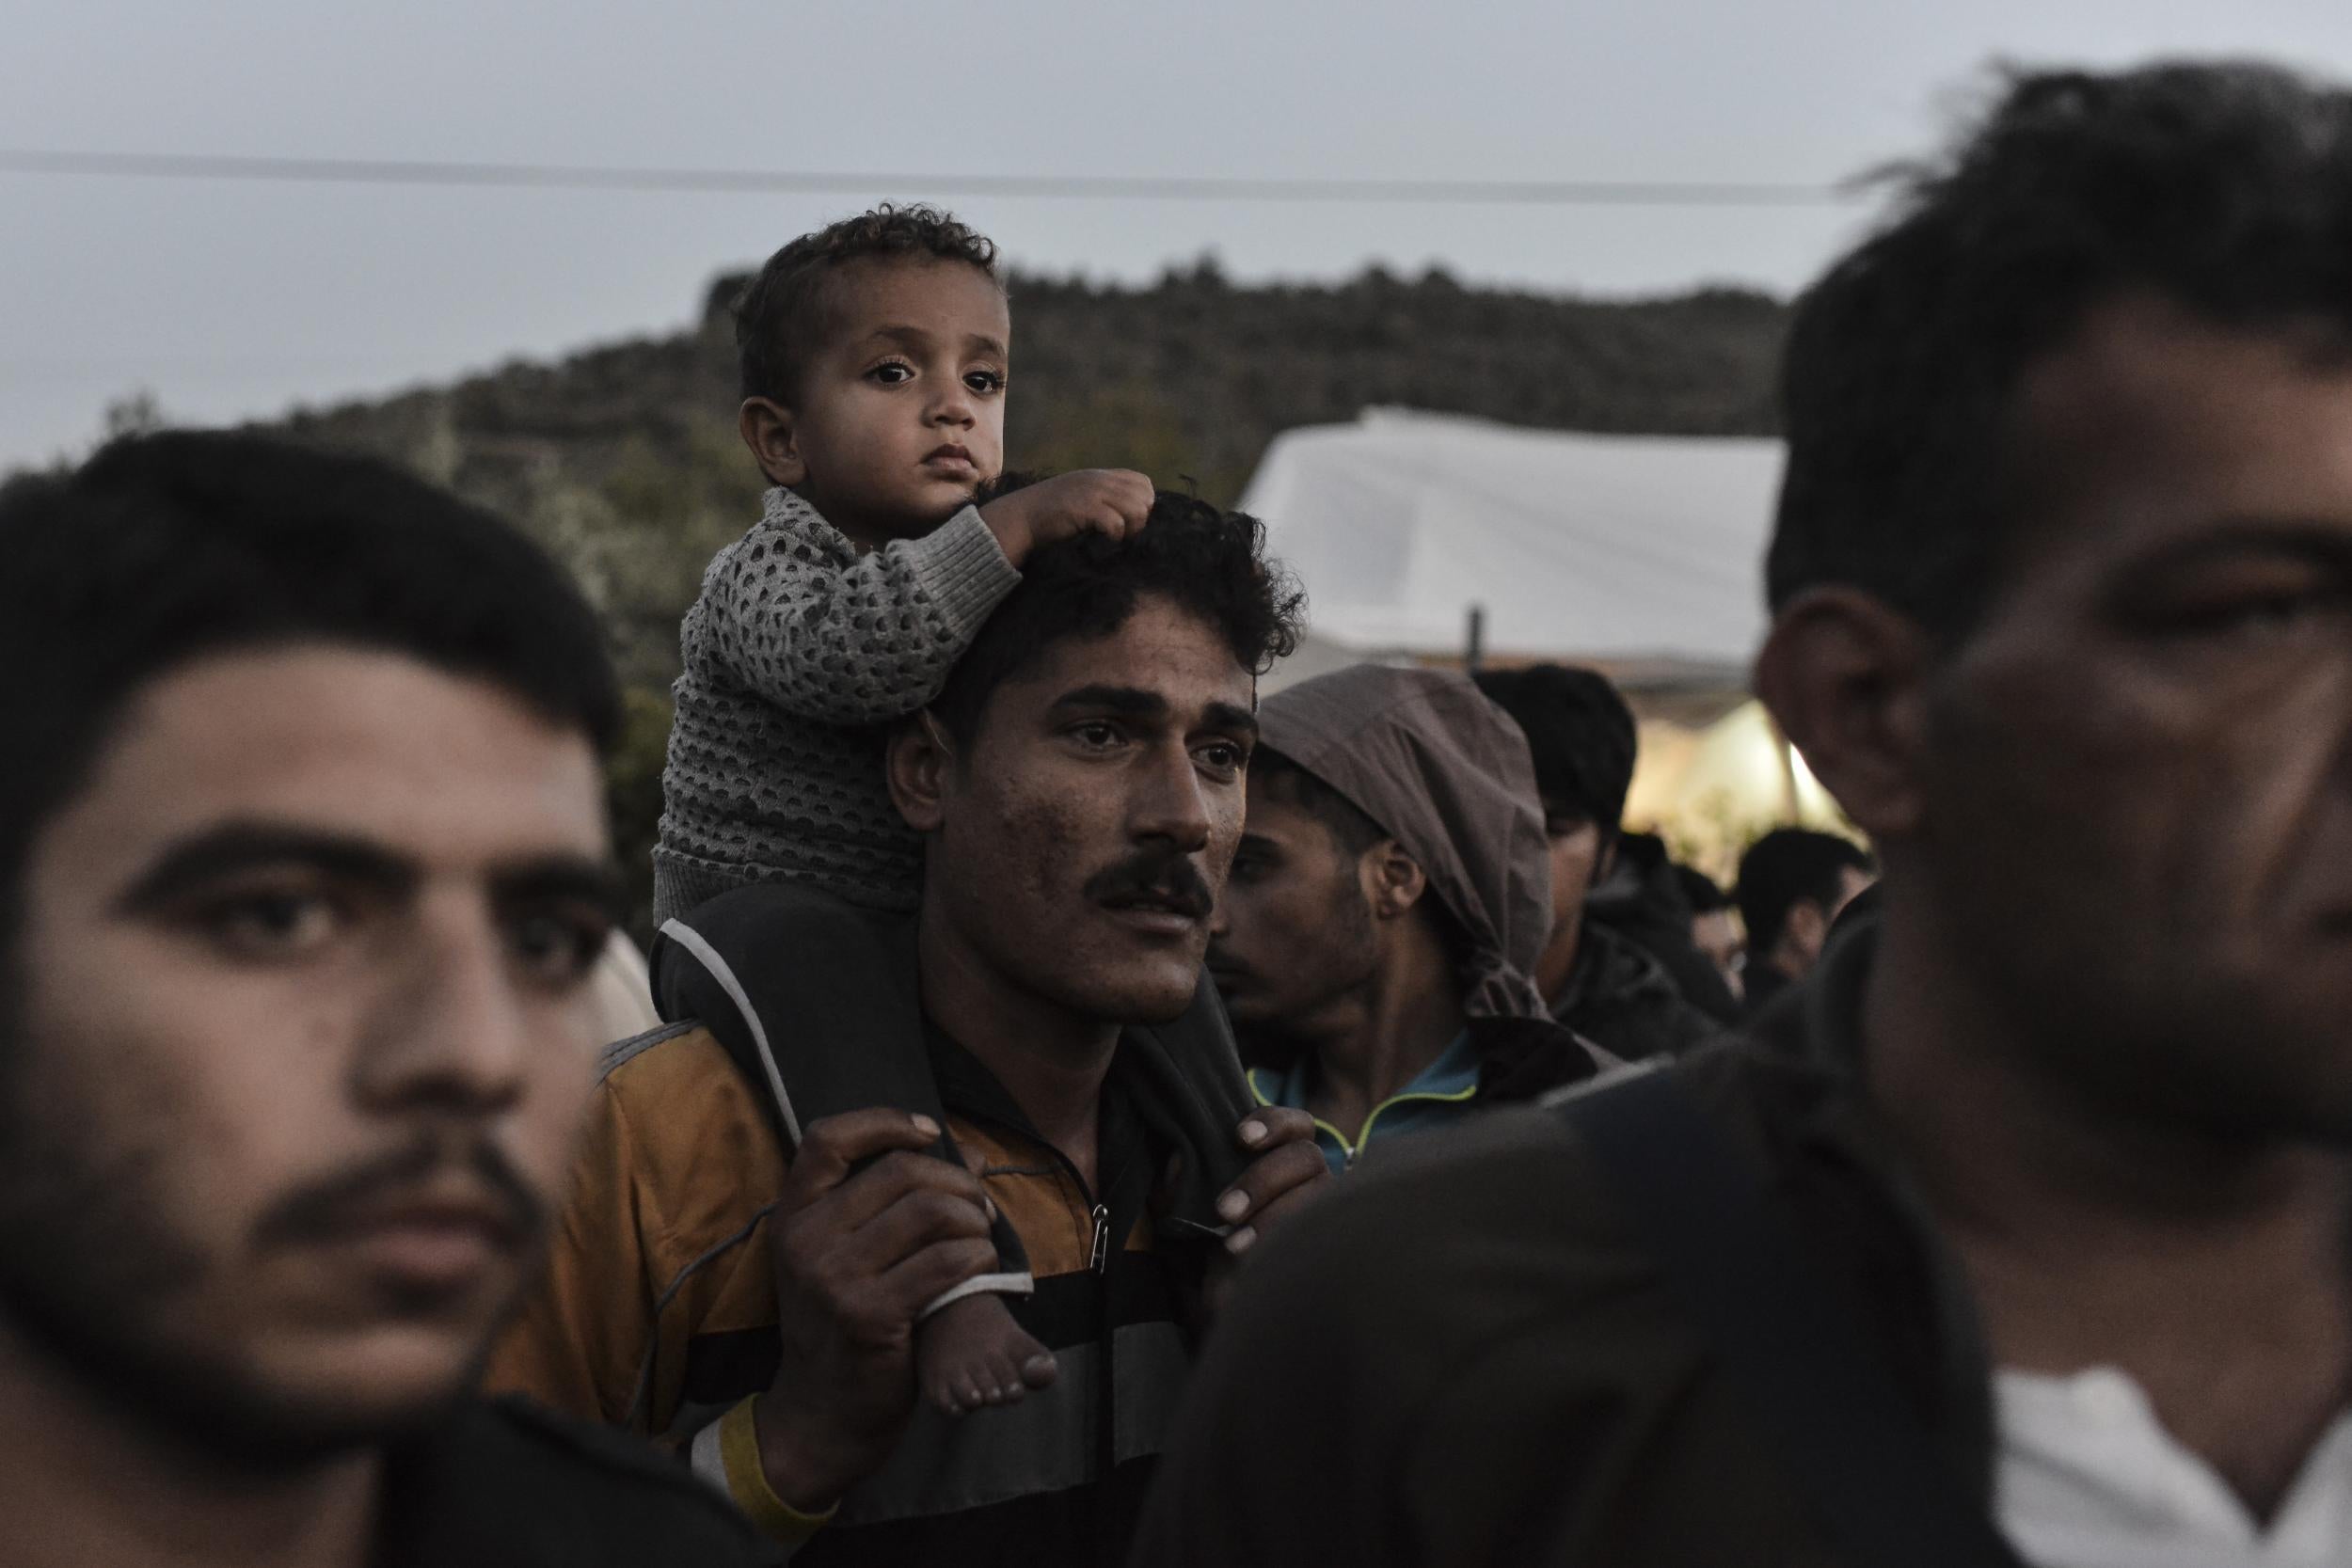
1159, 876
332, 1208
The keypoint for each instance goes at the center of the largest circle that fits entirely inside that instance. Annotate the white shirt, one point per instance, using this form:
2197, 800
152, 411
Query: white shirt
2088, 1478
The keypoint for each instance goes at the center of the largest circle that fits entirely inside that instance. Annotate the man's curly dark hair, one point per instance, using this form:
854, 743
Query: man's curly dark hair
2225, 188
780, 317
1208, 563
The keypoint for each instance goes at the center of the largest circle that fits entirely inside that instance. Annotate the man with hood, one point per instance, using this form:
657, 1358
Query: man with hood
1377, 937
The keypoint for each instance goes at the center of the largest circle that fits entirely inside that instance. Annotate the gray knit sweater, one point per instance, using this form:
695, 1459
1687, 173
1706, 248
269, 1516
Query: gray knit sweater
798, 653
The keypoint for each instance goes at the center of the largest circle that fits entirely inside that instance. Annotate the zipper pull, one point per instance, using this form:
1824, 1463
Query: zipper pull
1102, 1255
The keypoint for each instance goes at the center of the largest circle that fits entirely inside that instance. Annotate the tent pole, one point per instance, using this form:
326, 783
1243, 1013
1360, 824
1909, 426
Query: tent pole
1474, 652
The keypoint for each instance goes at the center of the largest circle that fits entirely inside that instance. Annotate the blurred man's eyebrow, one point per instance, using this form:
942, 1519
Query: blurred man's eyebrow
562, 878
232, 848
2253, 538
2320, 545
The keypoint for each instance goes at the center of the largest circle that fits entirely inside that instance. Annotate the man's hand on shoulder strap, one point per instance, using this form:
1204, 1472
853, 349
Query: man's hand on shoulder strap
1288, 1174
857, 1257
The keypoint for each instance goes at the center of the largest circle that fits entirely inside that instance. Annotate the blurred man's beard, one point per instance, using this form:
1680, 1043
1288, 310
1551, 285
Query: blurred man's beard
87, 1274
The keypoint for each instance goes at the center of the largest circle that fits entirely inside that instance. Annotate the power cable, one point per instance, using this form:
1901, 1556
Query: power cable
384, 171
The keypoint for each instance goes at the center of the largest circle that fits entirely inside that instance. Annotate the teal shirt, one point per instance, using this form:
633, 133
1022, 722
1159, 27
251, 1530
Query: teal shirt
1444, 1093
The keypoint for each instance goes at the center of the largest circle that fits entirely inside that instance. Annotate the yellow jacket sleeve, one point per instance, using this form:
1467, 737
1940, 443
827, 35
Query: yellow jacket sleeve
584, 1339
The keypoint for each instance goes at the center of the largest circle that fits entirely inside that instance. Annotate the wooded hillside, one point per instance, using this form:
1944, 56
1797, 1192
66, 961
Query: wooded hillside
624, 458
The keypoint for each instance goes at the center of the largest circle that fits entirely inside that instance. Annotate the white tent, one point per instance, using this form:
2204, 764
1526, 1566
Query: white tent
1639, 553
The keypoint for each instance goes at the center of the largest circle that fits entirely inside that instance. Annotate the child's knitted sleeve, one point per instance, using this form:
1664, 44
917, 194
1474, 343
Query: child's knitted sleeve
792, 614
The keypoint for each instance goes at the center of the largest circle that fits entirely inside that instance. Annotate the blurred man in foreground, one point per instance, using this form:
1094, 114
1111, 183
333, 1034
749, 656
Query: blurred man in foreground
302, 876
2028, 1236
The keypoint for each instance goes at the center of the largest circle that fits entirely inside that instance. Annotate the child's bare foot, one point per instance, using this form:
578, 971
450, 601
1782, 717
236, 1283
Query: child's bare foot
971, 1353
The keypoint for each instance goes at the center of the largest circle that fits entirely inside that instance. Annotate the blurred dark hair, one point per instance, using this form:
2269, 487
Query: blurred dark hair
163, 550
1208, 563
1700, 891
2226, 188
1788, 866
779, 319
1579, 731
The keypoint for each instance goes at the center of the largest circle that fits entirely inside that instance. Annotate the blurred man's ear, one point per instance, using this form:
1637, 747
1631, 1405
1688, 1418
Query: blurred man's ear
767, 428
1394, 881
1844, 677
917, 764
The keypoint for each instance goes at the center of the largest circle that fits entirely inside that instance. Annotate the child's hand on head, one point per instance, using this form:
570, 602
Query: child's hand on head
1113, 502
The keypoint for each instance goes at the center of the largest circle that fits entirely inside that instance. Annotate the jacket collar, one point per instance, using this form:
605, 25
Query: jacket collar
1816, 1026
1519, 1058
1609, 966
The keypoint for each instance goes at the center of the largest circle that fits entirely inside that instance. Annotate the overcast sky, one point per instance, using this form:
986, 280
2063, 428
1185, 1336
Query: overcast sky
230, 300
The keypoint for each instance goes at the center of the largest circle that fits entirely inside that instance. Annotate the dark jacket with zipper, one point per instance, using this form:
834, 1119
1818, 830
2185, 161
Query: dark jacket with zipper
659, 1309
1620, 997
1642, 902
1479, 1362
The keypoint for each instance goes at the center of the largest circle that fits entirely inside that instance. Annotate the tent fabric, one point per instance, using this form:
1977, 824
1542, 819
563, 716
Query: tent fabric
1612, 549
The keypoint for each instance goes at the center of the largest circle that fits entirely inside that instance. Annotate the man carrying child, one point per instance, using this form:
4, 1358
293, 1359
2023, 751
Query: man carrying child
874, 362
1029, 813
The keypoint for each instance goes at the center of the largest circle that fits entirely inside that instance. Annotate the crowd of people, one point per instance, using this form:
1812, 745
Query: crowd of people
1105, 1113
